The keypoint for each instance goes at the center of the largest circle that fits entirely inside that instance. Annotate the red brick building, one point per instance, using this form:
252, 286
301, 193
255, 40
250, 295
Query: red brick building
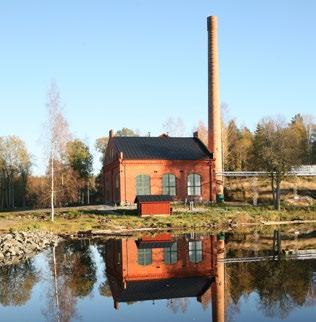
180, 167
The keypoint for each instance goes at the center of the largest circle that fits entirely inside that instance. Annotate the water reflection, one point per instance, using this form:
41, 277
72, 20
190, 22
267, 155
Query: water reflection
17, 282
73, 275
160, 267
281, 286
224, 277
281, 283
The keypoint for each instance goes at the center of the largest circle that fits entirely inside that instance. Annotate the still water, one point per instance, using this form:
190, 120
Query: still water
193, 277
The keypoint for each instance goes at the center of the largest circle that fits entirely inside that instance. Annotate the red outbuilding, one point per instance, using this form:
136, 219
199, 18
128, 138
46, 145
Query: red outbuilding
150, 205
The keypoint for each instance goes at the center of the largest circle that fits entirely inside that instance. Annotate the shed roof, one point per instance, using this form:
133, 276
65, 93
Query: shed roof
153, 198
161, 148
151, 245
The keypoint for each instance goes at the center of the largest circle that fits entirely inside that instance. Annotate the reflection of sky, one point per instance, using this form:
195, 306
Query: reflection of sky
248, 311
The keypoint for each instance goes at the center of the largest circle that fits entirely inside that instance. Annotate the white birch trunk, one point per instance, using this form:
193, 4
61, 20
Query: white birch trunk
52, 187
88, 193
56, 284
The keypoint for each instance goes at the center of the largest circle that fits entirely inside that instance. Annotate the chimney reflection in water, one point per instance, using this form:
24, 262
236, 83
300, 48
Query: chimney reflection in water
218, 287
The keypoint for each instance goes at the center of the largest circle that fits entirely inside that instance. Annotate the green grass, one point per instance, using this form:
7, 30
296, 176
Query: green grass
203, 218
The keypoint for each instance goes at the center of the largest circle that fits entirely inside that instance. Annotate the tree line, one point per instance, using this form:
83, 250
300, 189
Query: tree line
274, 146
19, 189
273, 139
15, 164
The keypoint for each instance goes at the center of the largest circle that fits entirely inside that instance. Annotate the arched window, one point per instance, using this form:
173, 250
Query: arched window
144, 256
117, 187
171, 254
111, 154
117, 181
169, 184
142, 185
194, 184
195, 251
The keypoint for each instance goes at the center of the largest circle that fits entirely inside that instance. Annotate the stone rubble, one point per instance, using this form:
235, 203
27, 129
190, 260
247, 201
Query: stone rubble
17, 246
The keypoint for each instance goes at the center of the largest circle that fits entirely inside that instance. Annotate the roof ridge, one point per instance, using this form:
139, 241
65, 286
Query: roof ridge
154, 137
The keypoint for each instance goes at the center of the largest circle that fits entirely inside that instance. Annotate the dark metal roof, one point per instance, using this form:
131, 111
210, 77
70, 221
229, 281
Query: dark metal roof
161, 148
153, 198
164, 289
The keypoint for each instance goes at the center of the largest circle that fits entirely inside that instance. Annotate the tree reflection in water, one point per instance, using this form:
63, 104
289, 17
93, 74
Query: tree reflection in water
17, 282
73, 275
105, 289
281, 285
176, 305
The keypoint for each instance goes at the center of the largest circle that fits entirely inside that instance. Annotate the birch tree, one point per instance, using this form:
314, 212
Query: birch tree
174, 127
58, 136
203, 132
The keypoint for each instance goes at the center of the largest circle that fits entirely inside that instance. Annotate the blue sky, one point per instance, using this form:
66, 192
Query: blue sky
135, 63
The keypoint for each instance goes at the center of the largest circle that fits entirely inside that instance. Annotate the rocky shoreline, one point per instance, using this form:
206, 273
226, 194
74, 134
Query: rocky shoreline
17, 246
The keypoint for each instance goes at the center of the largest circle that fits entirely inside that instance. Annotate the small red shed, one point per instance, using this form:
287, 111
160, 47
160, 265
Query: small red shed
157, 241
153, 205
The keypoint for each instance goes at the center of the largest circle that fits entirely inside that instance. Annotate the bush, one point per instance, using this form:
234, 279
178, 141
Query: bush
73, 214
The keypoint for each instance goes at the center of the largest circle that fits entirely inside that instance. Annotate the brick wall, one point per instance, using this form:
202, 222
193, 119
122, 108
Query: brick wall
127, 170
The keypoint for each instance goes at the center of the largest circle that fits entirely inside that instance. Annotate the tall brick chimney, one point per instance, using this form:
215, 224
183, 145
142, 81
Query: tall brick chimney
214, 108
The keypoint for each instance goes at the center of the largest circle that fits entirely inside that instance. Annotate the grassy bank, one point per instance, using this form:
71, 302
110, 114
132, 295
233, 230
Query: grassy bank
242, 189
70, 221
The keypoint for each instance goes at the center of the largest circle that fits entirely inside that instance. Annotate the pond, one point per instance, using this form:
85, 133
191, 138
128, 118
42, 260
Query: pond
192, 277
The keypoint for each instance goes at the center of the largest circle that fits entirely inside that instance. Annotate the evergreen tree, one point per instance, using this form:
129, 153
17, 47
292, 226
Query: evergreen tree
232, 160
301, 131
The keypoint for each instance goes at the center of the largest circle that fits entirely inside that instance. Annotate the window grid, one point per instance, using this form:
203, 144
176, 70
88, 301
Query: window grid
171, 254
194, 184
143, 184
195, 251
144, 257
169, 184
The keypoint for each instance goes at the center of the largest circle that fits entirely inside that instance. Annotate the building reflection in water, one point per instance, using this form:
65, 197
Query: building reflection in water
164, 267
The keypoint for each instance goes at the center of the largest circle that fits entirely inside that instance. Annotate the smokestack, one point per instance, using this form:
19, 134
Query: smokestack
214, 108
